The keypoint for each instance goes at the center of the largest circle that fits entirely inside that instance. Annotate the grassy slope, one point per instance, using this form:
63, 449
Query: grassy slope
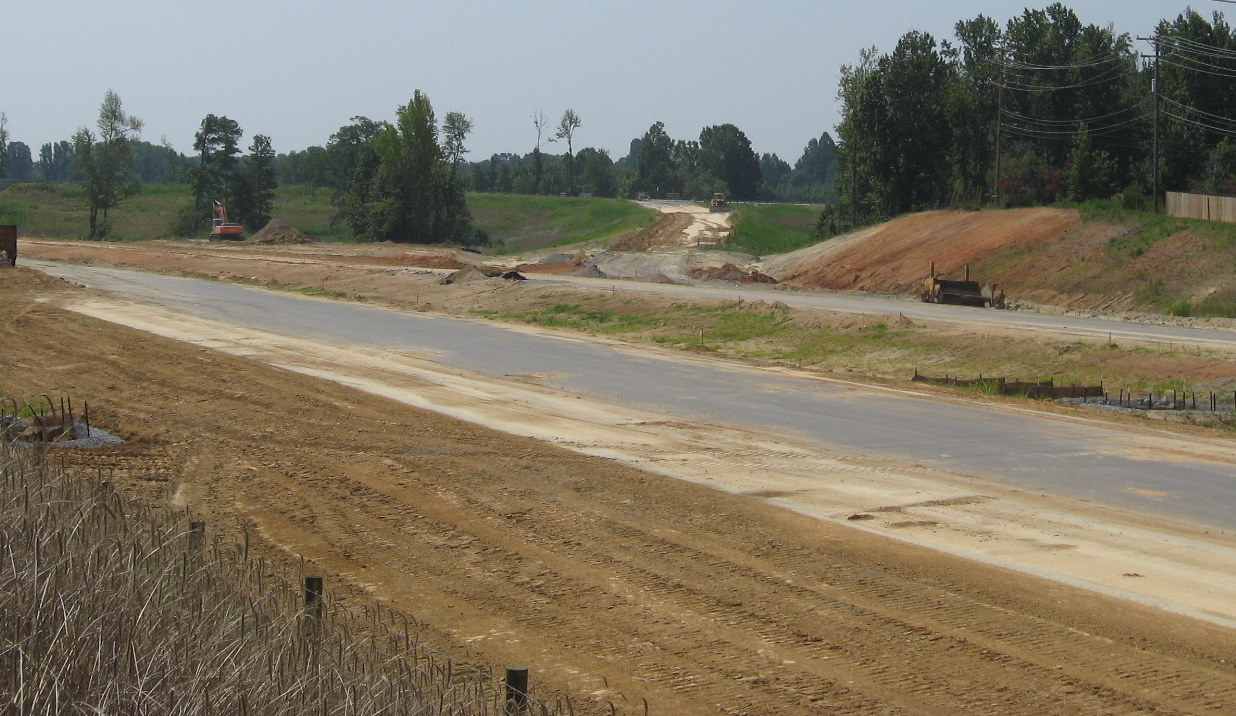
764, 229
1128, 259
522, 223
519, 222
59, 211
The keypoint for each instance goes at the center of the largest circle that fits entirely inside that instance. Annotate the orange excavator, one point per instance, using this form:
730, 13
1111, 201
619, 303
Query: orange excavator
221, 228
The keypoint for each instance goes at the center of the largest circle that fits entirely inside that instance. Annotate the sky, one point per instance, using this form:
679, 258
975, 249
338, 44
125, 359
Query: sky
297, 71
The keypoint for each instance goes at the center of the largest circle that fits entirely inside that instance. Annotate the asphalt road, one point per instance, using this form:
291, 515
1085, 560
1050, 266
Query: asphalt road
1103, 464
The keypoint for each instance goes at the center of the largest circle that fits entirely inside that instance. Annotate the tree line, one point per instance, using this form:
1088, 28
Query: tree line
722, 159
1044, 109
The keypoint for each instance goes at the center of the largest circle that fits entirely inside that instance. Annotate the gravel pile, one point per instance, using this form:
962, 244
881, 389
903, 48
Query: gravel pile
98, 438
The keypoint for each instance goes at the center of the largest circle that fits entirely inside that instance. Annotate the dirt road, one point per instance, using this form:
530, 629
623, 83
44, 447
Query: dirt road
609, 581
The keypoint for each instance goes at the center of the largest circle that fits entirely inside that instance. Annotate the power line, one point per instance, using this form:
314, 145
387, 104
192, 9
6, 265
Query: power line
1208, 115
1089, 120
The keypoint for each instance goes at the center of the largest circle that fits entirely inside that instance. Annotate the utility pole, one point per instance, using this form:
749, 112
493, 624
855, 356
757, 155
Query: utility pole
1154, 90
995, 192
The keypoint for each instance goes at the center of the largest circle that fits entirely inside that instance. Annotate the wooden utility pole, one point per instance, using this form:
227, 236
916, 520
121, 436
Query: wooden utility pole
1154, 90
995, 191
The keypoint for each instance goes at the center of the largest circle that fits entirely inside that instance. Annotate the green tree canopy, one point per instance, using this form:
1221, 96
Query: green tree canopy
655, 172
726, 153
255, 196
403, 185
105, 161
217, 143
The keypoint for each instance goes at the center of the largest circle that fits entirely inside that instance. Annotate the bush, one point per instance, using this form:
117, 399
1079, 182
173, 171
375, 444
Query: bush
1180, 308
1133, 200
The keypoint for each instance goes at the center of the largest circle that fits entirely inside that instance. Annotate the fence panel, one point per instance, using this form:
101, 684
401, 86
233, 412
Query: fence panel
1201, 206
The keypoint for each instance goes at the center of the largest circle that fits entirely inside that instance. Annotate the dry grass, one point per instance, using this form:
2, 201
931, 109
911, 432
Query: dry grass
109, 606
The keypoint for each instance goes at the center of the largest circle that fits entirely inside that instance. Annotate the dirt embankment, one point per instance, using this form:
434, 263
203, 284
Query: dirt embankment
615, 584
894, 257
1040, 255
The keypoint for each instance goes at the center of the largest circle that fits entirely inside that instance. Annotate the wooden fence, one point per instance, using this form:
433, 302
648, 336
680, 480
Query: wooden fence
1201, 206
1004, 386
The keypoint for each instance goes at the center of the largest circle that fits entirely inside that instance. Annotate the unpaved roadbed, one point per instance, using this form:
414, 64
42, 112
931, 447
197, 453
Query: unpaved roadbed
607, 580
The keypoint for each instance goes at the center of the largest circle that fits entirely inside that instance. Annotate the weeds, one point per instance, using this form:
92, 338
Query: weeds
109, 606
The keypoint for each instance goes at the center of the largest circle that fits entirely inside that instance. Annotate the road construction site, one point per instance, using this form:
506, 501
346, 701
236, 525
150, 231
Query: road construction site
622, 549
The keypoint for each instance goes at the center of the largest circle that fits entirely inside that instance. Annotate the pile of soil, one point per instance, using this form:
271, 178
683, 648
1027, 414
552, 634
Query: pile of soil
591, 271
469, 274
559, 263
277, 232
730, 272
440, 261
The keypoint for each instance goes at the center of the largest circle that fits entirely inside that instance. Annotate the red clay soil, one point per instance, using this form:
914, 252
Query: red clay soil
898, 255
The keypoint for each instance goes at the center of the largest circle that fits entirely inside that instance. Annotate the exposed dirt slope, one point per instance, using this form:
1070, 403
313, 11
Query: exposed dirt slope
585, 569
895, 256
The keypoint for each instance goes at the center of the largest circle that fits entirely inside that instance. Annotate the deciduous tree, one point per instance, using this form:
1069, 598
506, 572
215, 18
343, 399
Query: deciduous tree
105, 161
566, 130
406, 194
726, 153
4, 142
655, 170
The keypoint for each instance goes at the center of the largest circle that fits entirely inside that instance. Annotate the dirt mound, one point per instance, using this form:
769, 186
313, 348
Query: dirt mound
895, 256
277, 232
730, 272
469, 274
558, 263
591, 271
440, 261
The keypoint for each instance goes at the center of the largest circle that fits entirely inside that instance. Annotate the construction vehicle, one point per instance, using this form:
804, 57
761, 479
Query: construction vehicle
960, 293
718, 203
8, 245
221, 228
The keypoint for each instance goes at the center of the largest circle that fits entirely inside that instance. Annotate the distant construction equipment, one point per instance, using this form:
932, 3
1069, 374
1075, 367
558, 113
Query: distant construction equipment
221, 228
961, 293
8, 245
718, 203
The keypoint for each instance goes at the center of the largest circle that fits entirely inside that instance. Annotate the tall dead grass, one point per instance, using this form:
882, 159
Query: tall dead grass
111, 606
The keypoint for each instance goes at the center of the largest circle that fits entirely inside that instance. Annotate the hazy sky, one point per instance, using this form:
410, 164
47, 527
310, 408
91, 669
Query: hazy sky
297, 71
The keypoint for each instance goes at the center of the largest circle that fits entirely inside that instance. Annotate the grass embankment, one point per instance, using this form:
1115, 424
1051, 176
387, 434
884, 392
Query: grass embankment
113, 607
1144, 261
518, 223
879, 346
764, 229
513, 222
59, 211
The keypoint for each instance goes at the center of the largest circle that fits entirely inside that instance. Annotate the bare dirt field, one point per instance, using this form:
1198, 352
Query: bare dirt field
611, 582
